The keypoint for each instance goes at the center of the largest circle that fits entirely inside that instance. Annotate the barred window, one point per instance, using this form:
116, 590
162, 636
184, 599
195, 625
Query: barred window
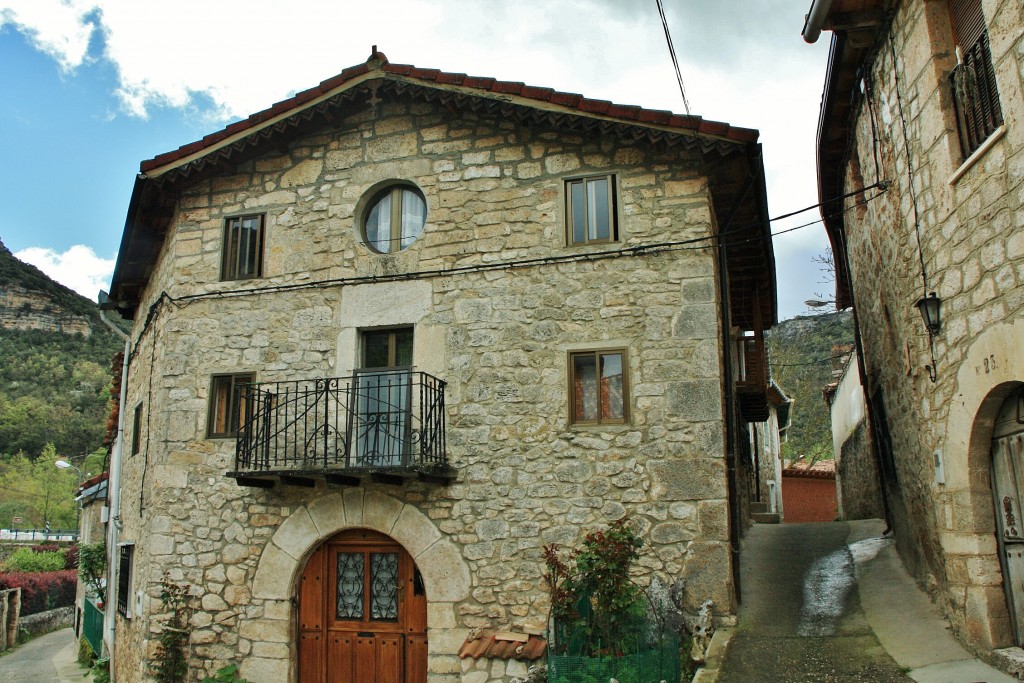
126, 553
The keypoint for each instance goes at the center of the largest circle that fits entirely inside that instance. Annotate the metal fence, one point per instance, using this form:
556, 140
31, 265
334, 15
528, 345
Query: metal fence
92, 626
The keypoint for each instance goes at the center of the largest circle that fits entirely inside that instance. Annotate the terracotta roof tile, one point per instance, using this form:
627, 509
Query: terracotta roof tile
488, 645
626, 113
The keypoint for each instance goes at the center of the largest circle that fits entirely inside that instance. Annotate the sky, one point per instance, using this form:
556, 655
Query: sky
90, 88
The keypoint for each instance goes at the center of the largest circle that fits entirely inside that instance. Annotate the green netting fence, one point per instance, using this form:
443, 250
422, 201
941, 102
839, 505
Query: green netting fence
651, 664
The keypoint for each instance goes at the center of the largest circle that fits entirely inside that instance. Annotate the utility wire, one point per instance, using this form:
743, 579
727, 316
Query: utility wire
672, 54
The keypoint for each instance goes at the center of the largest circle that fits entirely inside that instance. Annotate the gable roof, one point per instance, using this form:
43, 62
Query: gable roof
737, 176
378, 67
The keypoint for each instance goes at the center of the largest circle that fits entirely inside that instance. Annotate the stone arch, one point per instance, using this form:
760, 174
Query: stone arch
445, 573
991, 369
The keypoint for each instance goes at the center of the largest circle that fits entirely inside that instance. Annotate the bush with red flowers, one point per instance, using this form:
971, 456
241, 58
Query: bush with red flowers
42, 591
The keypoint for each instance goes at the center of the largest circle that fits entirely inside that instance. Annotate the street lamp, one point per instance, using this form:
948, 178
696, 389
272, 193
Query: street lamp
818, 303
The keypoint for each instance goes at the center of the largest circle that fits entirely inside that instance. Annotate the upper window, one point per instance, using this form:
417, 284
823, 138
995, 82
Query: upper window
243, 248
598, 387
137, 430
590, 210
227, 404
394, 219
973, 80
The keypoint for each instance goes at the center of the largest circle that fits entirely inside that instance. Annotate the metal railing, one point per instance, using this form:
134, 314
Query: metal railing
374, 420
975, 96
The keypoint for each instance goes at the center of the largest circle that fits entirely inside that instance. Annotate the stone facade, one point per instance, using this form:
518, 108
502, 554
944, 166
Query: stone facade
945, 224
497, 302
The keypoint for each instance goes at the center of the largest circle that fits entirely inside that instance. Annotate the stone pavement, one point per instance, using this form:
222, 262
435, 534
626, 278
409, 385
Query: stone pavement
832, 603
51, 658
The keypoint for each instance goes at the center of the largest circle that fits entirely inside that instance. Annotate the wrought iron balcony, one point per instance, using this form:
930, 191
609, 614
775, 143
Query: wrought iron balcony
387, 424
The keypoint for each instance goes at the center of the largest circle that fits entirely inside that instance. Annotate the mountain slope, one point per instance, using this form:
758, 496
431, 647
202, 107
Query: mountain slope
55, 368
803, 353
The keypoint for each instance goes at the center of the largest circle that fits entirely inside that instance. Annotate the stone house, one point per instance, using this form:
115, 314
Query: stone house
921, 172
398, 332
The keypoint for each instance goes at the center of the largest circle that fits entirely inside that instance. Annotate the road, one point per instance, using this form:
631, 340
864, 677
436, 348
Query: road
34, 662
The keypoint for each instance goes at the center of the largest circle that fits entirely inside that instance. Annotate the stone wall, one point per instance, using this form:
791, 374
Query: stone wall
500, 337
961, 222
857, 476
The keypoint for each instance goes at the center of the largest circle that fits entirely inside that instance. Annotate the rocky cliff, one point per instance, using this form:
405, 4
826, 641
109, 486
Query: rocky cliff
29, 300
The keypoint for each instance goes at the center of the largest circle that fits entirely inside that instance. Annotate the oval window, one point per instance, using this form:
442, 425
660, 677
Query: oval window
394, 219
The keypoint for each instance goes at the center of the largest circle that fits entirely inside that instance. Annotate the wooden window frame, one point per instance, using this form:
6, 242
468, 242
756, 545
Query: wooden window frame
613, 217
218, 425
973, 86
573, 398
395, 192
137, 429
233, 253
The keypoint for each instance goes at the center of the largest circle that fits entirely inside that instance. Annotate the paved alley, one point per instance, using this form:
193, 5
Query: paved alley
831, 602
46, 659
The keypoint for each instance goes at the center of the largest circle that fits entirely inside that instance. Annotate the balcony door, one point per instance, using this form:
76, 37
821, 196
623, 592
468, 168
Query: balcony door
382, 424
362, 613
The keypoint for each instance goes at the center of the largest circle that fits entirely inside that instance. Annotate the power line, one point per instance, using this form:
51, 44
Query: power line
672, 54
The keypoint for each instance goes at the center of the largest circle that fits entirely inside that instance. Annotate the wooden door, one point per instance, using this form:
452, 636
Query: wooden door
362, 613
1007, 482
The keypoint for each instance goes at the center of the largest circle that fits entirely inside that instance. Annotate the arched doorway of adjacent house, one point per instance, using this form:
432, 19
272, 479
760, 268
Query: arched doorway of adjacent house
362, 612
1008, 493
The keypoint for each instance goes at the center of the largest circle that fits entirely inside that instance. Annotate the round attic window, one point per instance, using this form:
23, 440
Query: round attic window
394, 218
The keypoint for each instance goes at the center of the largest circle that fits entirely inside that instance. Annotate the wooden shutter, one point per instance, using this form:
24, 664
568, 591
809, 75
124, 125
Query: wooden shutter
968, 22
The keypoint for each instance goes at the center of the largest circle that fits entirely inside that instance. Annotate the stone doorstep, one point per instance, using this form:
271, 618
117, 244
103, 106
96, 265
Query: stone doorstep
1010, 660
766, 518
708, 673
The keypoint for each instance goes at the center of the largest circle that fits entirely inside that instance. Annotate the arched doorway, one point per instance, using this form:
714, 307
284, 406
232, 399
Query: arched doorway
362, 612
1008, 494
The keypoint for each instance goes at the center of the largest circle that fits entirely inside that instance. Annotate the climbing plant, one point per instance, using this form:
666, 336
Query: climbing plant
171, 662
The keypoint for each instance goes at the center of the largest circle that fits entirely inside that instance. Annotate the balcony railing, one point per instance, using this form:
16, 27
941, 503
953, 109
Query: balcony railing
389, 424
975, 96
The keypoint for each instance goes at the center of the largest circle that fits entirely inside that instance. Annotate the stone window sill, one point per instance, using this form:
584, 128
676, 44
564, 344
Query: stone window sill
970, 161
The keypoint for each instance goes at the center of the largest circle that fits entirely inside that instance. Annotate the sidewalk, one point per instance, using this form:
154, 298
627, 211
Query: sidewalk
906, 622
65, 662
832, 601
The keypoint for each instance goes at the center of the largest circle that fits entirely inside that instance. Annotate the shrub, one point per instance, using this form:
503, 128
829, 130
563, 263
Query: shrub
42, 591
71, 556
92, 567
25, 560
45, 548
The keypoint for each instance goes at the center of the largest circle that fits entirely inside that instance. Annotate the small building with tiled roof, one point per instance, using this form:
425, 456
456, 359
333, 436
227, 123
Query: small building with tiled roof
397, 333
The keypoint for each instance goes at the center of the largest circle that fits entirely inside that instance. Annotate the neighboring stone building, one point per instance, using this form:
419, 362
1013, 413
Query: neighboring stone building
858, 494
417, 325
921, 171
766, 439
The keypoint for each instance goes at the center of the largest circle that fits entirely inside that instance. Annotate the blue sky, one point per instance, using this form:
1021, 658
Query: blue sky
92, 87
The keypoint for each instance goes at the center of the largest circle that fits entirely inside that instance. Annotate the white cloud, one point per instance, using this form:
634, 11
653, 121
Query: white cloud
78, 268
59, 28
742, 62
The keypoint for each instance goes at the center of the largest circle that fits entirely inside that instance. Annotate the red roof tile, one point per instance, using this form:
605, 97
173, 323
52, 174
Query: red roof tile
623, 113
488, 645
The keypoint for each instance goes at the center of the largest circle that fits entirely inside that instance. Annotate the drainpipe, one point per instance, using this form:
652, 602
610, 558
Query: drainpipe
815, 19
114, 504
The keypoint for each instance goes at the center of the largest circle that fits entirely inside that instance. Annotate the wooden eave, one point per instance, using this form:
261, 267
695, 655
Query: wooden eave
854, 24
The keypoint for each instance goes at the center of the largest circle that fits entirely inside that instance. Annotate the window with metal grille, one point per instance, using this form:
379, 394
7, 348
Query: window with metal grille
243, 248
124, 579
973, 81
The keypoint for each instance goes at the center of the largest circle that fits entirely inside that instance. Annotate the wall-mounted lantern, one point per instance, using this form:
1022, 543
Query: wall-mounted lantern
931, 309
